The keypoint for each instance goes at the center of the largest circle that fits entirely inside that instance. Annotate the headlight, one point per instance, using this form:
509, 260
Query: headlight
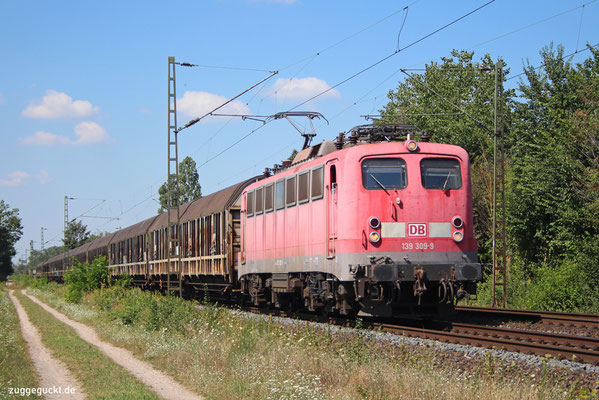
374, 223
458, 236
374, 237
457, 222
411, 145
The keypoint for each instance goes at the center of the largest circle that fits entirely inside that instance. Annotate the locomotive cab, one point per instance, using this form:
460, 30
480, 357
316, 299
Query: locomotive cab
414, 214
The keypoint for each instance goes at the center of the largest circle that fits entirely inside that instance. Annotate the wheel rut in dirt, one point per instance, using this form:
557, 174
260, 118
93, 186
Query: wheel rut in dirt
162, 384
53, 374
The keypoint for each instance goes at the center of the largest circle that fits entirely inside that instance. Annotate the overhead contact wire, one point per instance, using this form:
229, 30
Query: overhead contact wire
232, 145
392, 54
196, 120
563, 57
348, 37
533, 24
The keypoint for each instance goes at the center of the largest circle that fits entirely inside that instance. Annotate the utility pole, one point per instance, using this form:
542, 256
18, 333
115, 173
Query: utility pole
172, 183
66, 226
42, 239
66, 216
499, 245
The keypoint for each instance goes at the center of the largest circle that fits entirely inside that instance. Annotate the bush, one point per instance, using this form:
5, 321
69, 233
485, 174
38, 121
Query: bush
561, 289
39, 283
83, 278
149, 310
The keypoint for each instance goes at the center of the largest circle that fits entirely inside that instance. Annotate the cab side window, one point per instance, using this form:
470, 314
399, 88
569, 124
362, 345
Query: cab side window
280, 195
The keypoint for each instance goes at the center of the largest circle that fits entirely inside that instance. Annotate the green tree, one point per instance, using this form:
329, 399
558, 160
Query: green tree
584, 138
10, 233
189, 187
554, 198
453, 101
75, 235
552, 195
293, 154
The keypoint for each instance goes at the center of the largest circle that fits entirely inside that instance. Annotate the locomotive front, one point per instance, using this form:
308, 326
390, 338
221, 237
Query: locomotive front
406, 232
383, 228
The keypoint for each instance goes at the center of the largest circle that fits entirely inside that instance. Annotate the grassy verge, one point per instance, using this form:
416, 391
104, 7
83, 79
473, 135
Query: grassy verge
100, 376
224, 355
16, 368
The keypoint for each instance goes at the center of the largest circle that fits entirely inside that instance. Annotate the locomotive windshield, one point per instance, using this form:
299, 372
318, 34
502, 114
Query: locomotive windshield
384, 173
440, 173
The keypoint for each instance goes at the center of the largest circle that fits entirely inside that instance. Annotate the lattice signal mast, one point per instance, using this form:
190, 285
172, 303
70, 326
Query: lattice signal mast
172, 183
499, 245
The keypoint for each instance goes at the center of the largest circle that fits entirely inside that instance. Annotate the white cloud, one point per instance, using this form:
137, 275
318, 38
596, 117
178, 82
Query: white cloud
144, 110
88, 133
14, 179
41, 138
301, 89
18, 178
43, 177
59, 105
196, 104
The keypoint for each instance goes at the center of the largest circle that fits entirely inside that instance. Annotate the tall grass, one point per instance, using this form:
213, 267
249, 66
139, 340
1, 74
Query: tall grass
227, 355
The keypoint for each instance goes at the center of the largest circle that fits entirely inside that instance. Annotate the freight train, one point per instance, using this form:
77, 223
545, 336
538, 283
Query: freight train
372, 223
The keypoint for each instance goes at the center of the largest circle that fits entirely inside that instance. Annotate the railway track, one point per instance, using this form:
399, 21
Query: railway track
557, 345
560, 346
547, 317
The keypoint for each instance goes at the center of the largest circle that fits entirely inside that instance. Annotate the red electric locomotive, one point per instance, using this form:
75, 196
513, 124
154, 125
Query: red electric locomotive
382, 228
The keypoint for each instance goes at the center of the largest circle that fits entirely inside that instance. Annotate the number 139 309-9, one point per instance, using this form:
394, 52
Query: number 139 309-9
417, 246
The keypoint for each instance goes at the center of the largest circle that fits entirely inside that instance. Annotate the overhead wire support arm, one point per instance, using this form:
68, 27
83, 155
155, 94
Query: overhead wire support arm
97, 216
259, 118
196, 120
308, 136
184, 64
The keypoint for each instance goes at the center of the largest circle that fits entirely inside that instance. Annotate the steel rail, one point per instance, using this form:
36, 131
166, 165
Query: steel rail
559, 346
556, 318
507, 339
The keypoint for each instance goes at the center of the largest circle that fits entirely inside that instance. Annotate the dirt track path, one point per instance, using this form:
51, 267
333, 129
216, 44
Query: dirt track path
161, 383
52, 373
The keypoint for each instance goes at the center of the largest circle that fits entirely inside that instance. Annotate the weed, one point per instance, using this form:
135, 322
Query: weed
489, 365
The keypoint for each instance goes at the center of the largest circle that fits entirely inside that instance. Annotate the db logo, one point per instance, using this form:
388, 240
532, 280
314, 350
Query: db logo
417, 230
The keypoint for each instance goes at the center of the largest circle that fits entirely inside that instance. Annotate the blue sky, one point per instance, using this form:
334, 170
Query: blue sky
83, 87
